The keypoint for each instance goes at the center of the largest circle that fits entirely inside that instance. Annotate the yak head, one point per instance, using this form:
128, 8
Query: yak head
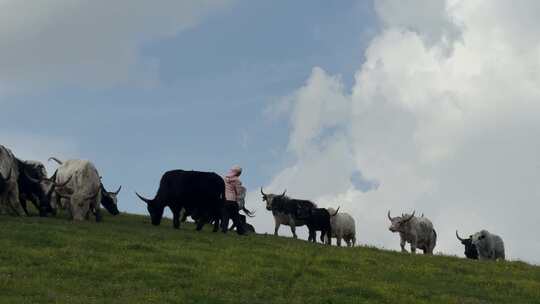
470, 248
109, 200
33, 181
399, 223
54, 191
80, 205
479, 237
269, 198
154, 208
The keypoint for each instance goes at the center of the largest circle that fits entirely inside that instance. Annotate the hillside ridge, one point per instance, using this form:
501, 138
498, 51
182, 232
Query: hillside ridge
125, 259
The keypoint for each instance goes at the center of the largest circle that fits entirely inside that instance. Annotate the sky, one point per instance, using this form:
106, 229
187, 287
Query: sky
367, 105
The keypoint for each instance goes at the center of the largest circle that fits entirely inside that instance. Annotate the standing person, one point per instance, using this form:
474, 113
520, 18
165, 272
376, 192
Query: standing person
234, 191
234, 195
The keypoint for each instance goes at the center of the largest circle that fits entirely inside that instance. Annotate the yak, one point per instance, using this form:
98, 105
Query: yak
417, 231
470, 249
201, 194
287, 211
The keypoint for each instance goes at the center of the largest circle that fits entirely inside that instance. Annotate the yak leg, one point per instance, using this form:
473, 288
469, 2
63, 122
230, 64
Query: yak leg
224, 219
35, 201
277, 227
54, 204
413, 245
42, 207
237, 220
312, 236
328, 232
217, 221
97, 213
97, 210
202, 219
176, 218
429, 249
214, 220
413, 248
293, 230
22, 200
224, 223
99, 218
14, 203
402, 244
183, 215
216, 224
293, 227
200, 222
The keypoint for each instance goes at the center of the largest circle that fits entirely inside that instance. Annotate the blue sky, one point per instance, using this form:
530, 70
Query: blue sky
206, 111
368, 105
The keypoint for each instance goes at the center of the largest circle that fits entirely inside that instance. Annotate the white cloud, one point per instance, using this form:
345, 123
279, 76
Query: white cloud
319, 105
453, 134
429, 18
88, 43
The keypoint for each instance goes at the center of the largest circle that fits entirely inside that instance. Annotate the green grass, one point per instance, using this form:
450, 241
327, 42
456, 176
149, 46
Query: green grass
127, 260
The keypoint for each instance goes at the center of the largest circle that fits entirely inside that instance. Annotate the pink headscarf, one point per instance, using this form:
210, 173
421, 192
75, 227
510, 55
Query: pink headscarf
235, 171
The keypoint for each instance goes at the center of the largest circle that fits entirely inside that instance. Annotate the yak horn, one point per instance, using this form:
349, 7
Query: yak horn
118, 191
262, 192
56, 160
62, 184
148, 201
389, 217
410, 217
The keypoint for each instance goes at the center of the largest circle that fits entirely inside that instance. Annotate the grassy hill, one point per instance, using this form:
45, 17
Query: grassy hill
126, 260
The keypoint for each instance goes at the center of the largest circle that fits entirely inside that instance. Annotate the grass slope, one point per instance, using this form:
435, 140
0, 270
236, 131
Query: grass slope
126, 260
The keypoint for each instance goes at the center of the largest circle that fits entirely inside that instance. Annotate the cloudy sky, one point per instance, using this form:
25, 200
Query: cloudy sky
370, 106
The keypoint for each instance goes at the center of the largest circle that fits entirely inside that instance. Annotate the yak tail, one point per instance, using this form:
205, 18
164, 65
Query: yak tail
56, 160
